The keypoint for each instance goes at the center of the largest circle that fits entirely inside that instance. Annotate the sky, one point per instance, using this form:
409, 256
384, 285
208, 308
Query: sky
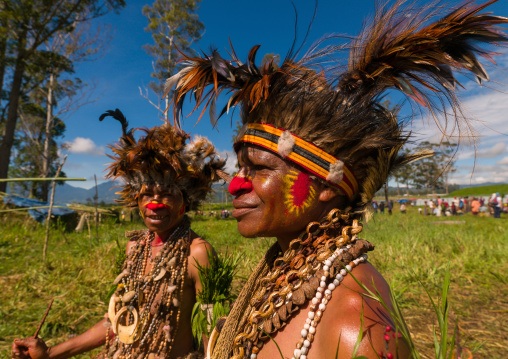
125, 69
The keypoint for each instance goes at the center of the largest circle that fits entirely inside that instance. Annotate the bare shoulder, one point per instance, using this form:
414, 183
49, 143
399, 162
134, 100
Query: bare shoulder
199, 249
350, 311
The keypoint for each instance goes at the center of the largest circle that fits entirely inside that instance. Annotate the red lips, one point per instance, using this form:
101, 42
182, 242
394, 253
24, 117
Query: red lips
240, 184
155, 205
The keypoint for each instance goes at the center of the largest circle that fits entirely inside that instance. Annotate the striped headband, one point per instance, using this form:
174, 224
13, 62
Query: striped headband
303, 153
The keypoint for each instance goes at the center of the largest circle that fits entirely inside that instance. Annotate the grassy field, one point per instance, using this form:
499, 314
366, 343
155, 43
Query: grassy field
412, 252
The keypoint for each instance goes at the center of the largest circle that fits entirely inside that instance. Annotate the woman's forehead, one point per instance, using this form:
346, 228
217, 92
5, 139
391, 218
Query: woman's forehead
158, 187
249, 152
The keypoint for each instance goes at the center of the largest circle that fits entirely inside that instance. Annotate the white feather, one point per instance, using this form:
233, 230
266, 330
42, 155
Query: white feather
285, 144
336, 172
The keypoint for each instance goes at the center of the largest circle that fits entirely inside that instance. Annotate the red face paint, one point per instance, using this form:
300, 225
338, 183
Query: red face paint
240, 184
299, 191
155, 205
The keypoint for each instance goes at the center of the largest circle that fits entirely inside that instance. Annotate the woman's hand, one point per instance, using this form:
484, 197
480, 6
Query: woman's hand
30, 348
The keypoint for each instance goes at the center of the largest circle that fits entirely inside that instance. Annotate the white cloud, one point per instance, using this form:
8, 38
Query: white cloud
480, 174
86, 146
230, 162
497, 150
503, 161
486, 106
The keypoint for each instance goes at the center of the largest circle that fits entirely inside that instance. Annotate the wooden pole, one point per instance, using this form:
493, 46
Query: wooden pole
48, 219
96, 198
43, 319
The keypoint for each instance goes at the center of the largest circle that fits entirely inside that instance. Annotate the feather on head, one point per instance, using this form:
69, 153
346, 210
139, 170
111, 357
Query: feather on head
339, 109
161, 156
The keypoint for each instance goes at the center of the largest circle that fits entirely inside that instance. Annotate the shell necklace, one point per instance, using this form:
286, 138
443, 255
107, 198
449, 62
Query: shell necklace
145, 309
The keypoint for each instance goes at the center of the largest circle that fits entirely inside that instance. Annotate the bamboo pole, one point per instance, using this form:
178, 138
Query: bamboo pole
40, 179
27, 208
48, 219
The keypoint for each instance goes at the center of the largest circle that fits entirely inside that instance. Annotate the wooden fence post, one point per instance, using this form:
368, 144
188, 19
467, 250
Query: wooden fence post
48, 219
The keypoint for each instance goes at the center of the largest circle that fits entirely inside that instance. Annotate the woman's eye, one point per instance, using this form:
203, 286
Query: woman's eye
259, 167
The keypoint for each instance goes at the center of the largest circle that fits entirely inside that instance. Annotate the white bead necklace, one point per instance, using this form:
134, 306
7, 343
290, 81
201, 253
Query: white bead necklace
320, 300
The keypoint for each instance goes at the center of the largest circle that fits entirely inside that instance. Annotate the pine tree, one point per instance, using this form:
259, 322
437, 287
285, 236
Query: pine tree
174, 25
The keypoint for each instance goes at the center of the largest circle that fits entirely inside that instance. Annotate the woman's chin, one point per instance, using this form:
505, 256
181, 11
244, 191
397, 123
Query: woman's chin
248, 232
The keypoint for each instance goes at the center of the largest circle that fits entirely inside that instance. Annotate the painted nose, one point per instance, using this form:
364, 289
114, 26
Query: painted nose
240, 184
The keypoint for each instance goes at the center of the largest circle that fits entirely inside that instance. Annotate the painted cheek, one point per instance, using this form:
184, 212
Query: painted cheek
298, 191
301, 189
182, 210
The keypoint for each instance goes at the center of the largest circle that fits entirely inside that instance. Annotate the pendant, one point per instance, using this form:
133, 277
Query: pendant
112, 308
127, 334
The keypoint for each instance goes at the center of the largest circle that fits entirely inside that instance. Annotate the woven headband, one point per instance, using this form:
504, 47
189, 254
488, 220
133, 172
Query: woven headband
303, 153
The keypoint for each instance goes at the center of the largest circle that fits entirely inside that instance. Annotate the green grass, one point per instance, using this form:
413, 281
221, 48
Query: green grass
480, 191
410, 249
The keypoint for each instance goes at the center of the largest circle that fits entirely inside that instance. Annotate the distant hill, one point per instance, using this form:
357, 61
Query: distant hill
71, 194
106, 190
480, 190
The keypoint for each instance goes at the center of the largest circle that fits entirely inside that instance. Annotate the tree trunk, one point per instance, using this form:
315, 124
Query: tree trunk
386, 192
166, 113
407, 188
3, 48
398, 189
46, 156
12, 114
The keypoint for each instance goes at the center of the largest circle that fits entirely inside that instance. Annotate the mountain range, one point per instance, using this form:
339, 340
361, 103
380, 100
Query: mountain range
106, 193
70, 194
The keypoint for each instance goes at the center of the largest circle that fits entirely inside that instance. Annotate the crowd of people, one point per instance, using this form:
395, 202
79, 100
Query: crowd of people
478, 206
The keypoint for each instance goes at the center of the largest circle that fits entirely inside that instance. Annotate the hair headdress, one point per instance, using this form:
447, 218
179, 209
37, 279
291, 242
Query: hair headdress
163, 157
312, 104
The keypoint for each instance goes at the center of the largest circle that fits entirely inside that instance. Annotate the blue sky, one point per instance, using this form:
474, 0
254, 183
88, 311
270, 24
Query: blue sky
126, 67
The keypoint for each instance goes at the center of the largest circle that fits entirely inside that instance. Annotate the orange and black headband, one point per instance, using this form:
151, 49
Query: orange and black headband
303, 153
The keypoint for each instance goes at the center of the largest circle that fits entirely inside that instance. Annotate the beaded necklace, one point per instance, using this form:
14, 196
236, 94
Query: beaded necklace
325, 250
145, 309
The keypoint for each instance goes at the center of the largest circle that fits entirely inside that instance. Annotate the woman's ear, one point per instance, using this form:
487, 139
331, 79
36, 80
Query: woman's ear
327, 194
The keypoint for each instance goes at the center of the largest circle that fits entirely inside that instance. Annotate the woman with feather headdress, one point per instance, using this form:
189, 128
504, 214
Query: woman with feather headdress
315, 147
149, 314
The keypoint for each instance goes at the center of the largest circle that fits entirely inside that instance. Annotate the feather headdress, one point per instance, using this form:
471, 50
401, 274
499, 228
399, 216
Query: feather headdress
335, 112
162, 156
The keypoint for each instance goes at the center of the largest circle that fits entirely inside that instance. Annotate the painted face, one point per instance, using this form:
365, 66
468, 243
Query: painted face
162, 208
273, 198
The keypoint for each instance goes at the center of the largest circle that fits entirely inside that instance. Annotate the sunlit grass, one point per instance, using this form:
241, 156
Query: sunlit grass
409, 249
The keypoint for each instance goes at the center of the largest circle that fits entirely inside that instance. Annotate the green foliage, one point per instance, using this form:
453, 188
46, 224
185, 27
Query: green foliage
216, 280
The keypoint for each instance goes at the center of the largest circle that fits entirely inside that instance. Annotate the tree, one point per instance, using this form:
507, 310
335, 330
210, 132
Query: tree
31, 24
432, 172
81, 44
28, 149
404, 174
445, 158
174, 25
